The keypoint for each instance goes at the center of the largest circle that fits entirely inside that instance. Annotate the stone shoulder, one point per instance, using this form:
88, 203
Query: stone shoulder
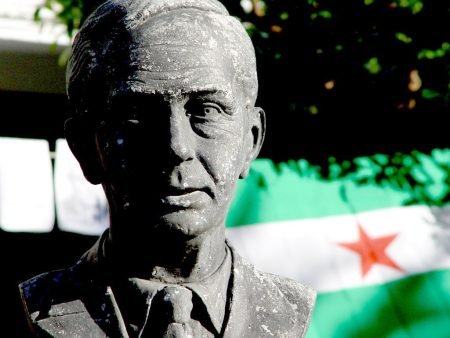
283, 302
38, 292
302, 297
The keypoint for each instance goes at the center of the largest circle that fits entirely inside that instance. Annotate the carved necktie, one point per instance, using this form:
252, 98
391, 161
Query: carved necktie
170, 314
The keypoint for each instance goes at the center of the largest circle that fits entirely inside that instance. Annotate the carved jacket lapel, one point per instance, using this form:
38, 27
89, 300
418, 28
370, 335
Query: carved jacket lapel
102, 308
67, 303
257, 307
76, 303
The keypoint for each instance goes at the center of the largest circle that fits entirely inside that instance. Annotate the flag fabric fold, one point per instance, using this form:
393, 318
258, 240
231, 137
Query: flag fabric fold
372, 236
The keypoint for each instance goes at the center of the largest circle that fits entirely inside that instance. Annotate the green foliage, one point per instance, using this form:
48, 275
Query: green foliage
433, 54
68, 12
319, 57
373, 66
321, 14
383, 55
284, 16
429, 93
403, 37
425, 176
415, 5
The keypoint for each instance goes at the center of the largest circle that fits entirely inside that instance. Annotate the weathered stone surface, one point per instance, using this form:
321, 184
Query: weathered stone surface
164, 117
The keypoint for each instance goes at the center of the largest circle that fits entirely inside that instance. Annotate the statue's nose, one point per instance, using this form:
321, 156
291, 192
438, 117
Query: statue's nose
181, 140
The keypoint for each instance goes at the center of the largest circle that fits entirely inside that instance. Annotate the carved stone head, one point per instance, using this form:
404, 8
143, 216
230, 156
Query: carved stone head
163, 95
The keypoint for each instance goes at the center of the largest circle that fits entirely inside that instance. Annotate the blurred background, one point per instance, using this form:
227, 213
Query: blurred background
355, 90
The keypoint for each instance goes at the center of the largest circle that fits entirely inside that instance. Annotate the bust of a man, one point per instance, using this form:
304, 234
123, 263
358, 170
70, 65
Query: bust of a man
163, 95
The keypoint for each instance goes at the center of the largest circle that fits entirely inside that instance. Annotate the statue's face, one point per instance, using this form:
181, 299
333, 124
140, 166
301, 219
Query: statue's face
175, 137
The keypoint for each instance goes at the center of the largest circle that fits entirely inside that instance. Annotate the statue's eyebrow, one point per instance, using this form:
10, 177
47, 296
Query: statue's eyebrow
136, 97
215, 95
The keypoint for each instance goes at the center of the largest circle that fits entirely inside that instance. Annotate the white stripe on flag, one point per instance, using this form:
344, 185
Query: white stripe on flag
310, 250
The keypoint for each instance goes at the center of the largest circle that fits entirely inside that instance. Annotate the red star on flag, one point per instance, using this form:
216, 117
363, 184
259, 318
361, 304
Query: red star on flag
372, 250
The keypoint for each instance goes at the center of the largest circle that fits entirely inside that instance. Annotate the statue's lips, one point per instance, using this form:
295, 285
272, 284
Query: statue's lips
186, 199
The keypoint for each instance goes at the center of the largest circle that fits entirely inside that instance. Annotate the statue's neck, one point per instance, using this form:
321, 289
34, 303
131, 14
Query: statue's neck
167, 257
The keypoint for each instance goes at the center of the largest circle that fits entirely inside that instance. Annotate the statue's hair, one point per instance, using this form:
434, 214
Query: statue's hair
94, 64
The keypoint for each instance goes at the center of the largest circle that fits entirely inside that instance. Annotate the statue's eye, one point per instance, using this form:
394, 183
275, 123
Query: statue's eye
209, 110
203, 111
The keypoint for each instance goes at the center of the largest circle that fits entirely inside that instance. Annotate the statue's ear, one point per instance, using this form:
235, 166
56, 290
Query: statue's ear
80, 135
254, 139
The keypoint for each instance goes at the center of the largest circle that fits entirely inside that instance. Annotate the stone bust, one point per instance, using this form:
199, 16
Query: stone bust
163, 95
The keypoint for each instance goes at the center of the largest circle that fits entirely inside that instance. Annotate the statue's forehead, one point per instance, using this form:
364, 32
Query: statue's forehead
189, 27
185, 38
178, 52
180, 67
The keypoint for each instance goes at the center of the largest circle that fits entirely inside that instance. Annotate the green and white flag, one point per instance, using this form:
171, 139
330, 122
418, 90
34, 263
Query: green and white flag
372, 236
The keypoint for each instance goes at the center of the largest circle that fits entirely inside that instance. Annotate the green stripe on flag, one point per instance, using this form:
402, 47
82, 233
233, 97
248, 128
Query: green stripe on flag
387, 197
298, 190
414, 307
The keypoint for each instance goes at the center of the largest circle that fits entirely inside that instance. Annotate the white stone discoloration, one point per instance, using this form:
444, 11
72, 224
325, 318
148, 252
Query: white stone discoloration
178, 76
182, 25
265, 328
248, 290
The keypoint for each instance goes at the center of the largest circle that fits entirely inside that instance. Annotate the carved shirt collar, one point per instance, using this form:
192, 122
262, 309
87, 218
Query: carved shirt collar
212, 291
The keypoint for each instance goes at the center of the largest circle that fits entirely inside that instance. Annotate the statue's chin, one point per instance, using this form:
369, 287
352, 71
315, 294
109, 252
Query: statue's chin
185, 222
